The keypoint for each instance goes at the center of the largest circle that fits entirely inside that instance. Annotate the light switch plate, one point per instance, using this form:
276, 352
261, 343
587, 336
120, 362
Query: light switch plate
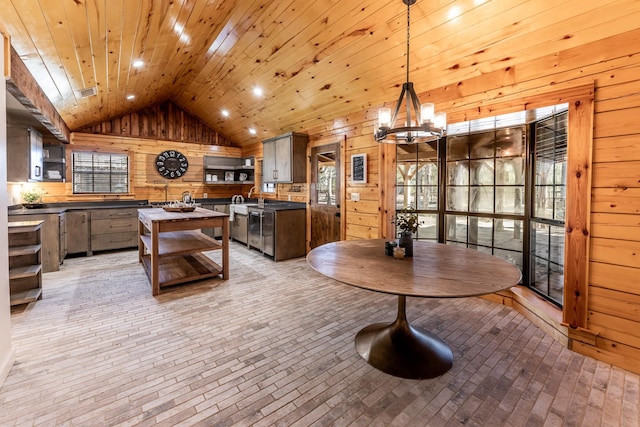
355, 197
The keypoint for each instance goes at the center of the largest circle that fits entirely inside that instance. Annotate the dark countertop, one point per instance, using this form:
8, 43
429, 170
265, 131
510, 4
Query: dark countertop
272, 205
58, 208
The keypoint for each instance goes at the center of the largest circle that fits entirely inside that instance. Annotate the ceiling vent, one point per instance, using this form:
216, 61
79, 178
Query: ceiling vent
87, 92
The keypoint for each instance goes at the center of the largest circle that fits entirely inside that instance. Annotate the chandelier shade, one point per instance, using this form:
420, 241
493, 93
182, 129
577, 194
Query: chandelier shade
422, 123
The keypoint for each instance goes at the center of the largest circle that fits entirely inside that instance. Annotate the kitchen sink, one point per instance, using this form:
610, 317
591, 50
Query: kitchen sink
242, 208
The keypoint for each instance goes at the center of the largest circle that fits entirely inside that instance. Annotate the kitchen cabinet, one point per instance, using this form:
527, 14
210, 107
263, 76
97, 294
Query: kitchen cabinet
215, 232
53, 238
54, 163
285, 158
24, 154
170, 246
78, 240
25, 261
114, 228
228, 170
279, 233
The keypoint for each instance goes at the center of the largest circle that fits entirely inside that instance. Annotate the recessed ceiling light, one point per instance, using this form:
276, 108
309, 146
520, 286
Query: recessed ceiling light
130, 97
454, 12
225, 113
257, 91
138, 63
252, 131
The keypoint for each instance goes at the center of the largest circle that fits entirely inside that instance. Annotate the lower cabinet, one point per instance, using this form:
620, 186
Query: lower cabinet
114, 229
78, 232
217, 231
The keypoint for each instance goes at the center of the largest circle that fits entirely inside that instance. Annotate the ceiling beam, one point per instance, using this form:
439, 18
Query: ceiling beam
22, 85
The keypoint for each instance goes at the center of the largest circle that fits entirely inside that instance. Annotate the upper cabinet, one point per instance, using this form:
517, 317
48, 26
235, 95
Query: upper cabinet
285, 158
228, 170
24, 154
54, 163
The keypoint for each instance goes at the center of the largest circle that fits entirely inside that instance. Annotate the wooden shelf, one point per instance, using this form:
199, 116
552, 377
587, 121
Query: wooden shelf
229, 182
26, 297
173, 270
24, 250
24, 272
182, 243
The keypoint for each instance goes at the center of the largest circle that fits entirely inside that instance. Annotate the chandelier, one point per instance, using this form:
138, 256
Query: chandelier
427, 126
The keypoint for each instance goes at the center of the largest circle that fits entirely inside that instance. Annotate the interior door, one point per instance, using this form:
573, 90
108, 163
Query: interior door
325, 194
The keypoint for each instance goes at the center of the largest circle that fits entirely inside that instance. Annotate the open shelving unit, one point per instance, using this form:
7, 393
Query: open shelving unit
25, 261
228, 171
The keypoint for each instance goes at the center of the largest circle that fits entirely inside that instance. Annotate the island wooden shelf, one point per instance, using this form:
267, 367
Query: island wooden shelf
171, 246
25, 261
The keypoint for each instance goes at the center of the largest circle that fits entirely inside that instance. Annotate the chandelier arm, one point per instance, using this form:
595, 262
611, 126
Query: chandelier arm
397, 110
416, 105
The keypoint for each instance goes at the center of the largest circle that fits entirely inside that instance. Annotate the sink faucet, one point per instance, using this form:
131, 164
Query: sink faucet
251, 191
237, 199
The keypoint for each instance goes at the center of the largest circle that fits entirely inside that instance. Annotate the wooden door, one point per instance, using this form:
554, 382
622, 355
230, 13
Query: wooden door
325, 194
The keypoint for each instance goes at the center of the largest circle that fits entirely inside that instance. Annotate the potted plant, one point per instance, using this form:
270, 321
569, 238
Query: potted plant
407, 223
33, 198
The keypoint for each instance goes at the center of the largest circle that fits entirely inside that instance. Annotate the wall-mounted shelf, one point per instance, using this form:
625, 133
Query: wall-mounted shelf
228, 171
54, 163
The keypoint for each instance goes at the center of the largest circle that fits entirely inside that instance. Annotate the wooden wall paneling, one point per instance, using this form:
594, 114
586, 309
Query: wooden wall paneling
614, 277
616, 123
614, 226
616, 149
621, 304
618, 252
616, 200
165, 121
617, 175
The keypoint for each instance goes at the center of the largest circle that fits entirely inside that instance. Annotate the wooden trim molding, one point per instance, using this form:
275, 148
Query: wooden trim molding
26, 90
6, 40
578, 209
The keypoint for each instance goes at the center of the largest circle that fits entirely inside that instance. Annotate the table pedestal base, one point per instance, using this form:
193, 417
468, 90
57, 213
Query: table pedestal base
402, 350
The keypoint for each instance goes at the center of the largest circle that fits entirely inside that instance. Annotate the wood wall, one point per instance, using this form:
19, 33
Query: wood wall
164, 121
612, 330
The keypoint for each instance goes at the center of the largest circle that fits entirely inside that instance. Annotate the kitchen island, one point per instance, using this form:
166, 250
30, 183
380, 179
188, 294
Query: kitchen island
170, 246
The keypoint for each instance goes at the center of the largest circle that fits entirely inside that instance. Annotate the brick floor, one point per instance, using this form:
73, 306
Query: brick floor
274, 346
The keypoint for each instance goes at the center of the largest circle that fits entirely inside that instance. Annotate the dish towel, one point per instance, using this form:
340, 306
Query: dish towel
231, 211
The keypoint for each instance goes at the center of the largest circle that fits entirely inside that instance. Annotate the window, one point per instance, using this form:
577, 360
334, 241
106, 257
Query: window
548, 207
501, 191
485, 191
417, 185
100, 173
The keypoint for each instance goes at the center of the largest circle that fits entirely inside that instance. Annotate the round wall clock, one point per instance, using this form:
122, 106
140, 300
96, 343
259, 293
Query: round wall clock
171, 164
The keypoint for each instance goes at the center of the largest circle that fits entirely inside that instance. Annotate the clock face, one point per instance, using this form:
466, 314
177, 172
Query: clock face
171, 164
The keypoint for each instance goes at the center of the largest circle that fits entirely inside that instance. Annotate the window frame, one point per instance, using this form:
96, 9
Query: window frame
128, 172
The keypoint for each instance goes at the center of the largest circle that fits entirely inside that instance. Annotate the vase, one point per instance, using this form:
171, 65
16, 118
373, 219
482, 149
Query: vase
406, 242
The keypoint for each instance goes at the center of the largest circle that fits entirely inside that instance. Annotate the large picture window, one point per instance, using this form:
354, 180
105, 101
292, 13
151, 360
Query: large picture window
501, 191
100, 173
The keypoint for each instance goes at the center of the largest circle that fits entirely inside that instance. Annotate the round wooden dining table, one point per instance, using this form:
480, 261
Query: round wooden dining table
435, 271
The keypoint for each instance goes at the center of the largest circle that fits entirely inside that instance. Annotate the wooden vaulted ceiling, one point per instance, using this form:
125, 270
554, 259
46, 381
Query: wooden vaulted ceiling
315, 60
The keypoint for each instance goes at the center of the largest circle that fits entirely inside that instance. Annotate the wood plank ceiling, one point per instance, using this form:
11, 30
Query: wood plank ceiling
315, 60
